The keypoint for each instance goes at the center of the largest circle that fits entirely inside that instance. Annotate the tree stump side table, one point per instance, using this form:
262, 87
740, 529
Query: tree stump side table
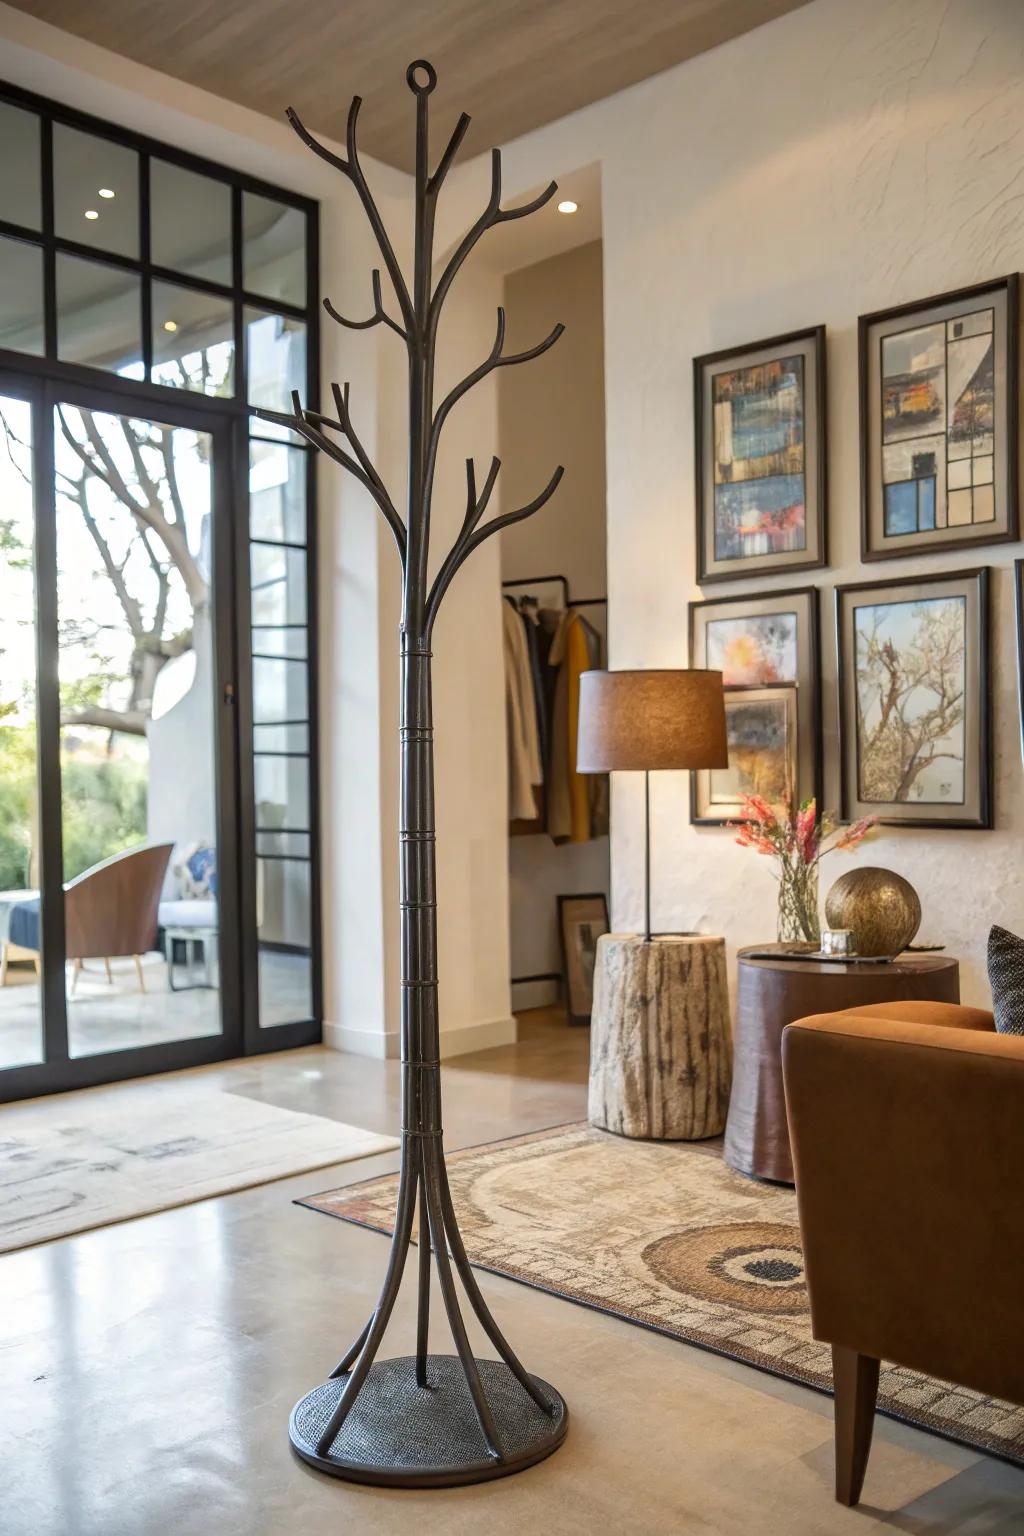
660, 1045
774, 993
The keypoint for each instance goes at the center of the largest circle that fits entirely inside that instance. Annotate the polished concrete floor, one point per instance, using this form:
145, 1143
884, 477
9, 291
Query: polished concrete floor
147, 1370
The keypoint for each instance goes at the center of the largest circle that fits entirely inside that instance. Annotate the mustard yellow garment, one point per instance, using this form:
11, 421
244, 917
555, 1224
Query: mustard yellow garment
577, 660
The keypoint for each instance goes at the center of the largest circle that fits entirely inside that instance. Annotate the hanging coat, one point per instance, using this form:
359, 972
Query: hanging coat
524, 761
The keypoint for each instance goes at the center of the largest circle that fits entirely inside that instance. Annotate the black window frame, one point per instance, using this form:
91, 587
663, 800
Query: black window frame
46, 373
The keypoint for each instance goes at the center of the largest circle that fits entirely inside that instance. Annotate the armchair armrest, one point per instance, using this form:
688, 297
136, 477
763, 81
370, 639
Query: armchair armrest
908, 1143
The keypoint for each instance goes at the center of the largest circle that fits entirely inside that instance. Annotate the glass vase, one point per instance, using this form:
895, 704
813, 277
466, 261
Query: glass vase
798, 904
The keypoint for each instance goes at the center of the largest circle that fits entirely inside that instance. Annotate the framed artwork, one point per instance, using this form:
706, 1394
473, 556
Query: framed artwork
938, 422
761, 728
581, 922
915, 716
767, 650
759, 414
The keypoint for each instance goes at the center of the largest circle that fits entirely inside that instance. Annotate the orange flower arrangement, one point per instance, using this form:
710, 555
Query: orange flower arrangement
799, 840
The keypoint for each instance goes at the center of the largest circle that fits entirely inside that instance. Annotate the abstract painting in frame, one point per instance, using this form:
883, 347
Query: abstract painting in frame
759, 414
766, 648
914, 700
939, 402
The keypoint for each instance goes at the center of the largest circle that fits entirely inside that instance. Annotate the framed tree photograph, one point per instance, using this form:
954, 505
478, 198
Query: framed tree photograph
760, 461
767, 649
938, 422
581, 922
915, 717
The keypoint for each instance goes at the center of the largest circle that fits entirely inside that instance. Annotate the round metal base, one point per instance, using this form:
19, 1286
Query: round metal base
401, 1435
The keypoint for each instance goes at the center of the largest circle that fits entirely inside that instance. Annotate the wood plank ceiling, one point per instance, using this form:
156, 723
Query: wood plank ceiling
512, 64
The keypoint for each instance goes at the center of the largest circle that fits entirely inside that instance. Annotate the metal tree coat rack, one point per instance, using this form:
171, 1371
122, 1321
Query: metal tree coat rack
427, 1419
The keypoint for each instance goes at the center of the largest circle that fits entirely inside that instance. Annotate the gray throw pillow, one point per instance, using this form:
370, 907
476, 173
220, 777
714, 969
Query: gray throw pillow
1006, 978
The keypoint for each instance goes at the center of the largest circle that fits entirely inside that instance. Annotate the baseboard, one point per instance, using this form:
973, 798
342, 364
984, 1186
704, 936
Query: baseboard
361, 1042
454, 1042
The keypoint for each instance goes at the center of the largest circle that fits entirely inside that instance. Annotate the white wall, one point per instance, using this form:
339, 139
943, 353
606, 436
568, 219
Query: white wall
839, 160
551, 411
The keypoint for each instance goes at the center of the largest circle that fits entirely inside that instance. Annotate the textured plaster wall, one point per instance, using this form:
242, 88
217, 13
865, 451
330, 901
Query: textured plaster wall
839, 160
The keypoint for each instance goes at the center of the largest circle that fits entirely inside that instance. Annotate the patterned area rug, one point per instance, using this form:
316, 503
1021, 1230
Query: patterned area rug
666, 1236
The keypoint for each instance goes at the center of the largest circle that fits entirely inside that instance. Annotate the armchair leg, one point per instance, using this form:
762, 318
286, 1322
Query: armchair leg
138, 972
3, 965
856, 1383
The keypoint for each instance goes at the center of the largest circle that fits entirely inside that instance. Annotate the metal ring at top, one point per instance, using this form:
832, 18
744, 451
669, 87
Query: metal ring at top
417, 85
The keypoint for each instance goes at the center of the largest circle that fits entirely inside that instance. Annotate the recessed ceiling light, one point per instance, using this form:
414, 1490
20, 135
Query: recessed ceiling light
91, 213
170, 325
106, 192
568, 206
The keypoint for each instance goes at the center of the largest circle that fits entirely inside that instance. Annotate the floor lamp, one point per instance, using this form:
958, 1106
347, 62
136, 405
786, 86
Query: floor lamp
647, 721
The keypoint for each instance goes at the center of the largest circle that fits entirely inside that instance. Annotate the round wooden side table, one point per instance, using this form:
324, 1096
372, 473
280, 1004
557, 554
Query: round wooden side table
660, 1048
773, 993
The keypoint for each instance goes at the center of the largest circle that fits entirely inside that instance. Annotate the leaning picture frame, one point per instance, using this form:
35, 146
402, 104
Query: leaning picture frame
760, 460
915, 707
582, 919
766, 640
939, 411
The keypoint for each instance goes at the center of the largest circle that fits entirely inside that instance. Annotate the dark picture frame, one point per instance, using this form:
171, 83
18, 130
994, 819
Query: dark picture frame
806, 460
721, 627
875, 622
908, 477
578, 915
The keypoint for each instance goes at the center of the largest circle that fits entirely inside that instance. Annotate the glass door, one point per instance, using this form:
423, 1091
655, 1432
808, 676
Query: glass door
118, 741
21, 1013
137, 677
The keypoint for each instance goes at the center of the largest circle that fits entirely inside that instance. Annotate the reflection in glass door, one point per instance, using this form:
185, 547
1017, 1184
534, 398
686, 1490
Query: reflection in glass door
21, 1026
137, 730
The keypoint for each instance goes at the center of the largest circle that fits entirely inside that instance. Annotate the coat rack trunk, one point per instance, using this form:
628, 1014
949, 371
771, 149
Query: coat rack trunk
423, 1420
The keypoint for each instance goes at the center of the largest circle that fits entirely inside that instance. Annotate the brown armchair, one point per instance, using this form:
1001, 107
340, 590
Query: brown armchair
111, 909
907, 1125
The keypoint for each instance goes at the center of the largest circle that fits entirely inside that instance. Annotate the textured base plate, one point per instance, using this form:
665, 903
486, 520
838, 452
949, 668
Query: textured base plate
404, 1436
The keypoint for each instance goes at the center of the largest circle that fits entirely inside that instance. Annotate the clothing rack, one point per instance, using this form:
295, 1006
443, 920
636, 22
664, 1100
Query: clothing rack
570, 602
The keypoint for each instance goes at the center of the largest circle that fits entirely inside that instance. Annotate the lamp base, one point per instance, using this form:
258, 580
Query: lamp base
401, 1435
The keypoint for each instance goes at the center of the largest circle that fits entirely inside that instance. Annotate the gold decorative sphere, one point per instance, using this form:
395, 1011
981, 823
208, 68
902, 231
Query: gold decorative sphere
880, 907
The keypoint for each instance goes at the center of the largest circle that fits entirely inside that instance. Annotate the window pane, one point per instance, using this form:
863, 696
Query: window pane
138, 730
21, 1033
274, 249
286, 973
282, 796
20, 174
21, 296
95, 191
189, 222
193, 340
280, 738
276, 360
99, 316
277, 492
279, 690
272, 640
283, 845
278, 584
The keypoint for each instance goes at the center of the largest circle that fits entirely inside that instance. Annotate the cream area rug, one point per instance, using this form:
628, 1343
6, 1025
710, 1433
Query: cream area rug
663, 1234
84, 1159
